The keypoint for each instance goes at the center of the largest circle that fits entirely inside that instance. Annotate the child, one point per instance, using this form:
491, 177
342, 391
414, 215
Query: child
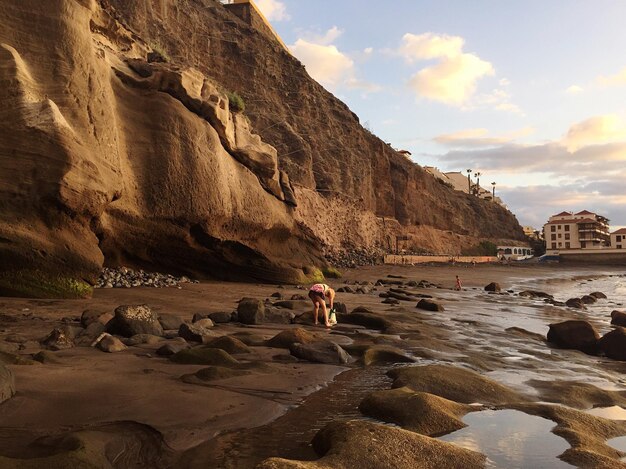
318, 294
458, 285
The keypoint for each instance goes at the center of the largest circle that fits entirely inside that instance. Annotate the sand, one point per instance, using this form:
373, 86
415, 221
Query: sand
89, 389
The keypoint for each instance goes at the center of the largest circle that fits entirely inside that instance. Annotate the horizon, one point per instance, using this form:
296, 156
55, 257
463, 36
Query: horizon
520, 94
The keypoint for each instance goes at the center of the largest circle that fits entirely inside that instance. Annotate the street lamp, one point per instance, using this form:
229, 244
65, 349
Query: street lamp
494, 190
478, 184
469, 182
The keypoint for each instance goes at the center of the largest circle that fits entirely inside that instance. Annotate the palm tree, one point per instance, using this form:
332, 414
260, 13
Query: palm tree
469, 182
494, 190
477, 184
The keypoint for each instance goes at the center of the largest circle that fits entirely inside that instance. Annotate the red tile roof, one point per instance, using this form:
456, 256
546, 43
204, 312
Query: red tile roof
620, 231
572, 220
562, 214
585, 212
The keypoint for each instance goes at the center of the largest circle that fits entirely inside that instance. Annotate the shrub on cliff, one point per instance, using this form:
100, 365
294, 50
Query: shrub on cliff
484, 248
236, 102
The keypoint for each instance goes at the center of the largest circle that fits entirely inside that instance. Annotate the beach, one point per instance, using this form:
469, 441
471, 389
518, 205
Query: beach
270, 404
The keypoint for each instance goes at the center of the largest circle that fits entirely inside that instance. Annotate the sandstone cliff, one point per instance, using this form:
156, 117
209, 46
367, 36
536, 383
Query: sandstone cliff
118, 145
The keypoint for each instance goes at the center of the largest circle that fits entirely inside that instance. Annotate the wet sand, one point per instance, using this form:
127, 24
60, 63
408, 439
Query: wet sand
204, 424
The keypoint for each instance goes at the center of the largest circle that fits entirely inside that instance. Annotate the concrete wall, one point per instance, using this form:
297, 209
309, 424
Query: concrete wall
595, 256
397, 259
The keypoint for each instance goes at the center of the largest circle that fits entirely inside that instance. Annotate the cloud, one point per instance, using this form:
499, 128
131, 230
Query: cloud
273, 10
479, 138
453, 78
327, 64
595, 130
574, 89
619, 79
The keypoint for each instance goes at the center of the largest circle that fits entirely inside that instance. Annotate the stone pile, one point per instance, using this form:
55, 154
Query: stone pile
351, 258
123, 277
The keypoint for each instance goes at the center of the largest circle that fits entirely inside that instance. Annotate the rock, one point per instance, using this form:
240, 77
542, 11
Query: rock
340, 307
72, 332
7, 384
130, 320
171, 348
8, 358
453, 383
598, 295
220, 317
429, 305
345, 289
613, 344
293, 304
110, 344
493, 287
250, 338
91, 332
288, 337
362, 309
419, 412
57, 340
367, 445
399, 296
298, 296
90, 316
229, 344
320, 352
278, 316
204, 356
369, 320
535, 294
197, 316
199, 331
140, 339
575, 303
588, 299
277, 294
382, 354
46, 357
251, 311
618, 318
577, 335
213, 373
390, 301
170, 321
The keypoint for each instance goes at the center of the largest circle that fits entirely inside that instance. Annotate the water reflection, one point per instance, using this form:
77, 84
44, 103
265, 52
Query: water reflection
614, 412
511, 439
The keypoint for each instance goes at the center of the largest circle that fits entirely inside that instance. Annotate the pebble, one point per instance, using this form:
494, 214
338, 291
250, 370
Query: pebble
355, 257
123, 277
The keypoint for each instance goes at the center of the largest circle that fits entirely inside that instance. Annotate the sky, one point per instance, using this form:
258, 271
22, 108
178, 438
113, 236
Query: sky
531, 94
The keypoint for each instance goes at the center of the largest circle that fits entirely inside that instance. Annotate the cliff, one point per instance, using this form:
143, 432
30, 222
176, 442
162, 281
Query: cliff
118, 145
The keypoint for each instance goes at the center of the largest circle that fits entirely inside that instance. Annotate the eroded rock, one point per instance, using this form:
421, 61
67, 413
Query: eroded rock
577, 335
320, 352
130, 320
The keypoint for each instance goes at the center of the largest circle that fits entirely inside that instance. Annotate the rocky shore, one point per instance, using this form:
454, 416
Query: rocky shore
236, 375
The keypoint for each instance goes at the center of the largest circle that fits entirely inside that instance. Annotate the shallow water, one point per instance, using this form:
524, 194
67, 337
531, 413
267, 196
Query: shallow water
511, 439
613, 413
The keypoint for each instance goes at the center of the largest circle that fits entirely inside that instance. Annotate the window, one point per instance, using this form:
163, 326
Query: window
560, 244
566, 235
567, 245
553, 237
618, 238
553, 228
619, 246
566, 227
583, 244
553, 245
560, 235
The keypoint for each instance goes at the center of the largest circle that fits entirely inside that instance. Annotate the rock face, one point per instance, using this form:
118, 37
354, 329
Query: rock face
130, 320
88, 176
7, 384
578, 335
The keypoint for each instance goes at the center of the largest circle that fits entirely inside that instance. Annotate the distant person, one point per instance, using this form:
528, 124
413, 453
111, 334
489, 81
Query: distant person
318, 294
458, 285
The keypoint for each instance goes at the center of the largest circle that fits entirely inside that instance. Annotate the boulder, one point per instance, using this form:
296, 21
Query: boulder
369, 320
340, 307
390, 301
90, 316
362, 309
320, 352
613, 344
577, 335
575, 303
493, 287
293, 304
251, 311
298, 296
172, 348
277, 295
420, 412
110, 344
213, 373
57, 340
345, 289
140, 339
204, 356
288, 337
598, 295
91, 333
382, 354
278, 316
130, 320
170, 321
250, 338
220, 317
7, 384
47, 357
588, 299
618, 318
429, 305
229, 344
367, 445
199, 331
399, 296
535, 294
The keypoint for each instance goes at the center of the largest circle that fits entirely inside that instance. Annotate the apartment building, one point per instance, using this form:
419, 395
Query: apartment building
618, 239
582, 230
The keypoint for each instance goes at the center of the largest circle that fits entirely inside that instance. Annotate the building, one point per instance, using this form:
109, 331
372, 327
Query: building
582, 230
618, 239
515, 253
248, 12
459, 182
532, 232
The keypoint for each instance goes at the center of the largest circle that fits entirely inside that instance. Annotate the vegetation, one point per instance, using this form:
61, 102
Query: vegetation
236, 102
312, 275
37, 284
445, 183
331, 272
484, 248
160, 50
